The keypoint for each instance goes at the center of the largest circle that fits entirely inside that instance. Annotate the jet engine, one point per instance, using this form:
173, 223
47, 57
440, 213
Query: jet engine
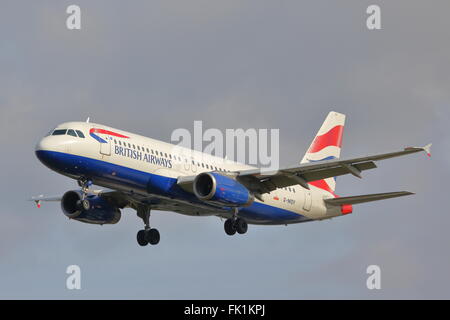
92, 209
216, 188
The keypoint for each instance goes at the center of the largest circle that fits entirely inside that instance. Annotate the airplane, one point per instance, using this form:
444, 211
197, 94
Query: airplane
146, 174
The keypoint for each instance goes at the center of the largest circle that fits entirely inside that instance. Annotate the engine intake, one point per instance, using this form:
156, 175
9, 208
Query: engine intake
100, 211
220, 189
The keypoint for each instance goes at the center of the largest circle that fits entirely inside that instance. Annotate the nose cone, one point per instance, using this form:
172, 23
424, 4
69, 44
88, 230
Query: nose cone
50, 143
44, 151
42, 145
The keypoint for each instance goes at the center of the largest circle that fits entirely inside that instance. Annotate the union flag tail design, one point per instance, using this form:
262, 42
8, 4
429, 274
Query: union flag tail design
327, 146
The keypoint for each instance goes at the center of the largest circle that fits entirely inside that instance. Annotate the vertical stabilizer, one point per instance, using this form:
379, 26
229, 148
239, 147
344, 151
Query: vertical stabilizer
327, 146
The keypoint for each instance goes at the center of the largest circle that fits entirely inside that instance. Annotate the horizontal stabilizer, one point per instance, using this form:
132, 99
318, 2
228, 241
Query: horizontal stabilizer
366, 198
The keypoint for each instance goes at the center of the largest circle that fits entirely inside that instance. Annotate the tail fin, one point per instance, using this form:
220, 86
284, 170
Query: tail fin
327, 146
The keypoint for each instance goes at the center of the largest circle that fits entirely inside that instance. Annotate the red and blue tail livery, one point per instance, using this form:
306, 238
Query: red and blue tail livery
327, 146
134, 172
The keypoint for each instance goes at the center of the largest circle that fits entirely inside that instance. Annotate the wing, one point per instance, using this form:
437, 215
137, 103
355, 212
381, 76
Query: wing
40, 198
124, 200
308, 172
156, 202
260, 181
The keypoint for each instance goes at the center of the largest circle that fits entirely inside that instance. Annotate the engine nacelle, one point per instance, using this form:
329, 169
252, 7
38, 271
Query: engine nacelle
100, 211
216, 188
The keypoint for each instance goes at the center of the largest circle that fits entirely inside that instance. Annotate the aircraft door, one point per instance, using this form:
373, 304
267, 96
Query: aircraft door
308, 201
105, 147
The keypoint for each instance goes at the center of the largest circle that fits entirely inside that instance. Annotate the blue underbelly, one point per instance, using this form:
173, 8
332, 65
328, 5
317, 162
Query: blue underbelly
123, 178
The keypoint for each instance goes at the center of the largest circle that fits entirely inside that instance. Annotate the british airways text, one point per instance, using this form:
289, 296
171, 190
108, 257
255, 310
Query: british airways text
142, 156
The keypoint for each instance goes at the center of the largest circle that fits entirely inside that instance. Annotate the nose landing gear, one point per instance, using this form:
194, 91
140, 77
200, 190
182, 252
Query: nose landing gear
84, 183
148, 235
83, 203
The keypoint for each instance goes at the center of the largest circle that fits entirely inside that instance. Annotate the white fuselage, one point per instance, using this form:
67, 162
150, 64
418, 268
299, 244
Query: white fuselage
121, 160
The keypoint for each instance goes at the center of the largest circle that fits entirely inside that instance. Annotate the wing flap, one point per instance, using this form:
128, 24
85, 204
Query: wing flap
338, 170
366, 198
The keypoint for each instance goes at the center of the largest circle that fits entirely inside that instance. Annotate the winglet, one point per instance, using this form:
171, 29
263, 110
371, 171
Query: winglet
37, 200
427, 149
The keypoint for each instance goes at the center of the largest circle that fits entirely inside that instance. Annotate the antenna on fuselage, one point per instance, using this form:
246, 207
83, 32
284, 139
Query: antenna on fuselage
87, 120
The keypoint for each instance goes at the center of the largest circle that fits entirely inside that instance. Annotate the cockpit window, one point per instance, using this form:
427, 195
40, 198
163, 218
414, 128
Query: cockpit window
80, 134
72, 133
59, 132
49, 133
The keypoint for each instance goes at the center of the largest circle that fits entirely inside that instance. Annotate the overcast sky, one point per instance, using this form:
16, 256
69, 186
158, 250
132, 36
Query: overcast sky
153, 66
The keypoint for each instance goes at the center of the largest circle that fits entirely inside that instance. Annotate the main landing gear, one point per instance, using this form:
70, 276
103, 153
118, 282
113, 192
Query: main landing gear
148, 235
235, 224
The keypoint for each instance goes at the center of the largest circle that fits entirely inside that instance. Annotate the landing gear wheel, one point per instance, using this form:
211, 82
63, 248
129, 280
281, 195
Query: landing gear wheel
141, 238
86, 205
152, 236
229, 227
147, 235
241, 226
83, 205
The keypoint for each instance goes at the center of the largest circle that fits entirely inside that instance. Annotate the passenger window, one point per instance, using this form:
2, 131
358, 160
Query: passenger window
139, 148
72, 133
59, 132
165, 154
